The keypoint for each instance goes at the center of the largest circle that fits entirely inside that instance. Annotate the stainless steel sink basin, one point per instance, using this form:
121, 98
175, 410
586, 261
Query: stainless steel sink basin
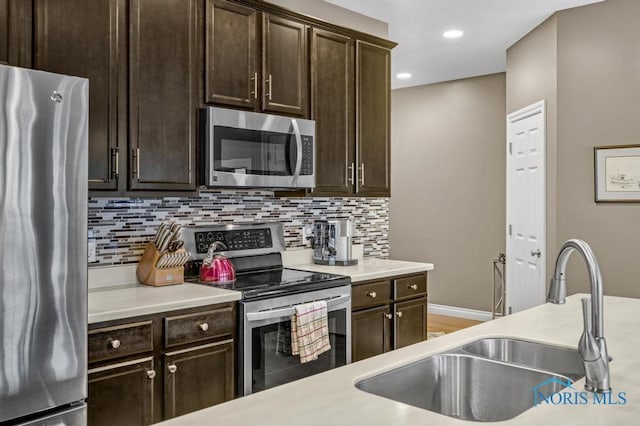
464, 386
563, 361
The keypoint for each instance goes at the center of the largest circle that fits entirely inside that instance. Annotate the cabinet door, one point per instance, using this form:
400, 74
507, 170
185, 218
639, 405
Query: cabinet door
411, 322
231, 55
121, 394
332, 107
85, 39
4, 32
15, 32
284, 63
198, 378
370, 332
164, 43
373, 89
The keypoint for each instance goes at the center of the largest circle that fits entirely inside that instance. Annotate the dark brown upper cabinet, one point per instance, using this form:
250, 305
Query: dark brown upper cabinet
256, 60
332, 107
87, 40
15, 32
163, 93
232, 55
284, 66
373, 91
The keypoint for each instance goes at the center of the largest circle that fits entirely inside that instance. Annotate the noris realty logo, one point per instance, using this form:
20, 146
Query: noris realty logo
556, 391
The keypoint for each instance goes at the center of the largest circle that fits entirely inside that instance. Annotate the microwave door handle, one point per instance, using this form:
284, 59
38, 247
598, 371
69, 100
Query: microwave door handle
298, 135
290, 310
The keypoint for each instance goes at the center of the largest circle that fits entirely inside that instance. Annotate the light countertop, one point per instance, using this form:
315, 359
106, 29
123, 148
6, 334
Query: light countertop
366, 269
116, 295
330, 398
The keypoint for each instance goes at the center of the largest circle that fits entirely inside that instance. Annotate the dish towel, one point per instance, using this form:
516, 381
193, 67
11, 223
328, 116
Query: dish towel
310, 331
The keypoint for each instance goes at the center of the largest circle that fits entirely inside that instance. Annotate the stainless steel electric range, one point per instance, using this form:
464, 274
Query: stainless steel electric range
270, 293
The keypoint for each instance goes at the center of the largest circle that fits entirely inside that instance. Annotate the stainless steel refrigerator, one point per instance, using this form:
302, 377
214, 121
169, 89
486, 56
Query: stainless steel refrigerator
43, 247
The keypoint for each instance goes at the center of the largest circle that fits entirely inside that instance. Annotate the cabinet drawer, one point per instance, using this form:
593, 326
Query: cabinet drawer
120, 340
371, 294
189, 328
410, 286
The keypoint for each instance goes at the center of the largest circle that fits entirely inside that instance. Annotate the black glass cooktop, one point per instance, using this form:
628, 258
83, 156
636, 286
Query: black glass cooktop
279, 282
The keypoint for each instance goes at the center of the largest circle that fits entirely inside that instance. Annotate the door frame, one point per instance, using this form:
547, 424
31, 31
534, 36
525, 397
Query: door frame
526, 112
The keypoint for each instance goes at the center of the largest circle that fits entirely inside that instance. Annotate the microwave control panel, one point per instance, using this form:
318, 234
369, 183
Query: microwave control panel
307, 156
248, 239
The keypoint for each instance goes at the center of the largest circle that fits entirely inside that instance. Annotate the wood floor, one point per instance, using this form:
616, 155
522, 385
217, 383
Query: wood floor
447, 324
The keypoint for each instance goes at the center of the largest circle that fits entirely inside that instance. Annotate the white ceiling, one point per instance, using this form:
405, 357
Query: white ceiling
490, 27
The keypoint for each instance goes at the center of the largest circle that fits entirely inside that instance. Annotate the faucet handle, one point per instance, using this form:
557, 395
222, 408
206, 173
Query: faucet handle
588, 347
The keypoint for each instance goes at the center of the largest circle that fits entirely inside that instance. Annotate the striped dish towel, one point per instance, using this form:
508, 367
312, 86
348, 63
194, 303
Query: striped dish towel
310, 331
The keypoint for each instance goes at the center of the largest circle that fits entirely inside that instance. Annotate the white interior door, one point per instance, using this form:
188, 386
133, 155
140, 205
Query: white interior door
526, 210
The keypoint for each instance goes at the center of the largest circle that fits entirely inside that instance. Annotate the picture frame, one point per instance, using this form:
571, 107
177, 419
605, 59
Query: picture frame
617, 173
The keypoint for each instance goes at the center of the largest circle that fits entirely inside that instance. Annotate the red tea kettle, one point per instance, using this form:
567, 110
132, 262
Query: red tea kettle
216, 267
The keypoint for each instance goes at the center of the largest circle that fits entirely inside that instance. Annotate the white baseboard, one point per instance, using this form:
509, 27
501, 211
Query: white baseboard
454, 311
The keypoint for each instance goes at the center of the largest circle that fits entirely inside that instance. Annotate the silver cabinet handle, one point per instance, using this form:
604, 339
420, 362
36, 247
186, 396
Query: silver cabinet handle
172, 368
351, 176
537, 253
136, 163
151, 374
254, 79
372, 294
115, 166
388, 316
269, 85
399, 314
115, 343
413, 286
362, 175
204, 326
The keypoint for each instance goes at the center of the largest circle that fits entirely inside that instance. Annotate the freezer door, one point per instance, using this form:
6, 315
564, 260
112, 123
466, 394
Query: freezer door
76, 416
43, 241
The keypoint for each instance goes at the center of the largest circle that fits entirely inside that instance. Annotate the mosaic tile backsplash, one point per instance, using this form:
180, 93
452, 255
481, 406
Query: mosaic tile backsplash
122, 226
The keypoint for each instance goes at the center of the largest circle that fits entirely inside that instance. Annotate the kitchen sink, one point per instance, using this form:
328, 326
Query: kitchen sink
563, 361
465, 386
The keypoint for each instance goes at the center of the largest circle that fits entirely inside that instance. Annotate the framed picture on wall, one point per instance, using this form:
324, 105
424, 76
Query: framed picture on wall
617, 174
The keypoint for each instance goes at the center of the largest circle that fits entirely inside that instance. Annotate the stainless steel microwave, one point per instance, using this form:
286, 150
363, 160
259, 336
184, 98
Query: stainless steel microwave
253, 150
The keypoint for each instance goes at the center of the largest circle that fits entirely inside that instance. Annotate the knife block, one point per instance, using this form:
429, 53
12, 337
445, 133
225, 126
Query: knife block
150, 275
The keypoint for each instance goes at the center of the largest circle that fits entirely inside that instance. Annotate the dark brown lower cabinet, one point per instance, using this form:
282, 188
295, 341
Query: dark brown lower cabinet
411, 326
398, 320
198, 378
122, 394
156, 367
370, 333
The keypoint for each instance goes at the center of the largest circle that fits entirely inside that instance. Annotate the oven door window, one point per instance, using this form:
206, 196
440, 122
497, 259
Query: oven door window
253, 152
273, 364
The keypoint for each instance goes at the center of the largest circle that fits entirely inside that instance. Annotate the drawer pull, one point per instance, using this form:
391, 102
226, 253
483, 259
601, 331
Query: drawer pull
173, 368
115, 343
388, 316
372, 294
204, 326
399, 314
413, 286
151, 374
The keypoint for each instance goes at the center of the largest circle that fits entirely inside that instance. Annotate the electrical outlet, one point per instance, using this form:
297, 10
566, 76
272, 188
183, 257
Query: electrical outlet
307, 231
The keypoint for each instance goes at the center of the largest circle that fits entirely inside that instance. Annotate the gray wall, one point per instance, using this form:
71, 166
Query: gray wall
597, 91
336, 15
598, 104
448, 184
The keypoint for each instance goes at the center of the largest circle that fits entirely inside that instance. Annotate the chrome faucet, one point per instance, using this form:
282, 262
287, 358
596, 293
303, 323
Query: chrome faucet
592, 346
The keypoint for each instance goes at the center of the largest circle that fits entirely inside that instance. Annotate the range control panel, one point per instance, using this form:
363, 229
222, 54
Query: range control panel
248, 239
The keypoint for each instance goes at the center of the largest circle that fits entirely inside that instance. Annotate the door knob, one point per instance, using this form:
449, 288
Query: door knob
536, 253
388, 316
172, 368
151, 374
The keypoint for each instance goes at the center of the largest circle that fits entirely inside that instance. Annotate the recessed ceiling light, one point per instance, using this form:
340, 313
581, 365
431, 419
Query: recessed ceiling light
403, 75
453, 34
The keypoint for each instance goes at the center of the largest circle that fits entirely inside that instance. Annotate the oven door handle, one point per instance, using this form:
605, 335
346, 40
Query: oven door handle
298, 135
290, 310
